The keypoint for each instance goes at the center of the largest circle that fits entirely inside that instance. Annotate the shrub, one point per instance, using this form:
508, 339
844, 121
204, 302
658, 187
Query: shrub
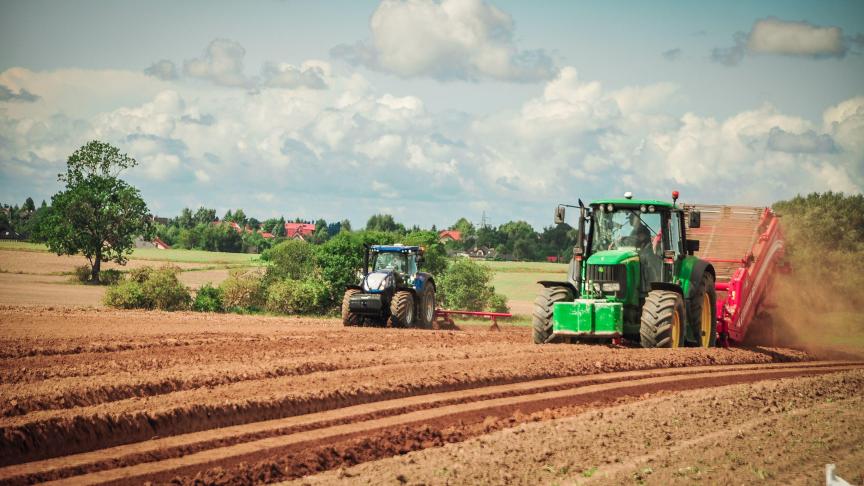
150, 288
208, 299
498, 303
110, 276
126, 295
467, 285
82, 274
298, 296
242, 289
291, 259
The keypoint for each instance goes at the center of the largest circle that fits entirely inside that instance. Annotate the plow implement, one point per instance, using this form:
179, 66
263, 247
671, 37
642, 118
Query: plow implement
444, 318
745, 246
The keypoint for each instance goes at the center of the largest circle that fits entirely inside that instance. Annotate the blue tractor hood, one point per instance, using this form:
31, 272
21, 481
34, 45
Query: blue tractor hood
378, 281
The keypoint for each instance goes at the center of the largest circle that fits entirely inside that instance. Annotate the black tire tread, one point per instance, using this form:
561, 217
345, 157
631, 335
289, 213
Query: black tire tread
349, 318
542, 314
399, 307
655, 329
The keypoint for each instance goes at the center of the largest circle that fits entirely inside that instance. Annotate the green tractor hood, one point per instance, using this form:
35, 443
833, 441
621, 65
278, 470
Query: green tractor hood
611, 257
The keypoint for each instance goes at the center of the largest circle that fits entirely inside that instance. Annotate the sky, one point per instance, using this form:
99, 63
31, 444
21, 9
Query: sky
433, 110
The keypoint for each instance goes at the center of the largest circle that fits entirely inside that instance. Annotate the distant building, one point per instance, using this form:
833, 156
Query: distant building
299, 231
449, 235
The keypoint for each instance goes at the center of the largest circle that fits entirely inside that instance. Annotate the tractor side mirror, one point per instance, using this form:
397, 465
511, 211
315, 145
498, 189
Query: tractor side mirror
559, 215
695, 219
692, 246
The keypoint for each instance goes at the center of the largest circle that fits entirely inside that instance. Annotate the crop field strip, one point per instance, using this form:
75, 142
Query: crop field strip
162, 458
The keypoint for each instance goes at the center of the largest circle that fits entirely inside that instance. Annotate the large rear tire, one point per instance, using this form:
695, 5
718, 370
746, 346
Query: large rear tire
704, 313
349, 318
543, 304
402, 309
662, 324
427, 307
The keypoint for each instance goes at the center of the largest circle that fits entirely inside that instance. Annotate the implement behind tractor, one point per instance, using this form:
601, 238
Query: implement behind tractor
745, 246
650, 272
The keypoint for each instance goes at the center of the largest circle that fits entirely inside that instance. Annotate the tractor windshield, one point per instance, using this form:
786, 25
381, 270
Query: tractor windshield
624, 229
397, 262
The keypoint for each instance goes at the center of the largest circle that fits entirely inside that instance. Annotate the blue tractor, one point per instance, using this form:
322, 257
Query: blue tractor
393, 292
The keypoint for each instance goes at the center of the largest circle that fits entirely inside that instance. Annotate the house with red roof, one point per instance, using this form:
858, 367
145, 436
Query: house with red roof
449, 235
299, 230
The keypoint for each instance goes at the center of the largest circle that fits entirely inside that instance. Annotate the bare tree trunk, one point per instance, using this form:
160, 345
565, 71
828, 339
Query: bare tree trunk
97, 262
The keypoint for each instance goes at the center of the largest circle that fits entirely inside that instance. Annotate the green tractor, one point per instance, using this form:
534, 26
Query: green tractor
632, 276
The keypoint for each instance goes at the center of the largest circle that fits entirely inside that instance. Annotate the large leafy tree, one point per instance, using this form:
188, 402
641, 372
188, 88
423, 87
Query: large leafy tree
97, 215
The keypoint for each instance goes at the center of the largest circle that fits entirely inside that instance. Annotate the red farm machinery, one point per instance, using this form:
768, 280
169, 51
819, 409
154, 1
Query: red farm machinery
745, 246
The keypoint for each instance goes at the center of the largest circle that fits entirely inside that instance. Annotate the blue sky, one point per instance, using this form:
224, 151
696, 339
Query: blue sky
433, 110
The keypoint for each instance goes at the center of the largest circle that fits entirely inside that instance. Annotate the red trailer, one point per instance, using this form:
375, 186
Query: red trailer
745, 245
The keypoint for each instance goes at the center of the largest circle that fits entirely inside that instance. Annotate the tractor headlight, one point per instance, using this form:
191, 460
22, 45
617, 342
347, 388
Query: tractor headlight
596, 287
642, 208
609, 208
611, 287
651, 208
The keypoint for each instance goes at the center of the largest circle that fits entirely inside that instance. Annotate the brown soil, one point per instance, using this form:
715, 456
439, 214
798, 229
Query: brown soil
73, 381
26, 289
776, 432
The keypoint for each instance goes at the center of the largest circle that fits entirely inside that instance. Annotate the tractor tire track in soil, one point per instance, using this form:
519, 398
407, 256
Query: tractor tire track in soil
95, 391
294, 447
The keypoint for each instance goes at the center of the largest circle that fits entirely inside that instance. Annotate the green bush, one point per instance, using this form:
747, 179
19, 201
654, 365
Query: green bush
291, 259
208, 299
126, 295
298, 296
110, 276
467, 285
242, 289
498, 303
150, 288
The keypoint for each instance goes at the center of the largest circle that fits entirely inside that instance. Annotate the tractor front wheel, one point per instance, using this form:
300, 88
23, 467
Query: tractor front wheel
663, 317
543, 304
349, 318
402, 309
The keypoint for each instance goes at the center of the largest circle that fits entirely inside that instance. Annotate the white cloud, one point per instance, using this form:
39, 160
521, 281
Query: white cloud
222, 63
787, 38
287, 76
446, 40
341, 150
162, 69
775, 36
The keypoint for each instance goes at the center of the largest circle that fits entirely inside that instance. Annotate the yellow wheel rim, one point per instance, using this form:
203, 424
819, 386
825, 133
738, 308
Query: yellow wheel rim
706, 320
676, 329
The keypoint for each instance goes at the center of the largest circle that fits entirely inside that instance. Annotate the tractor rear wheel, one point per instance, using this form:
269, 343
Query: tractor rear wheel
402, 309
427, 307
663, 321
349, 318
704, 313
543, 304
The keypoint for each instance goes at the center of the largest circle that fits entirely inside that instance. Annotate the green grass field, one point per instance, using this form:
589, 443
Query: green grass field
153, 254
518, 280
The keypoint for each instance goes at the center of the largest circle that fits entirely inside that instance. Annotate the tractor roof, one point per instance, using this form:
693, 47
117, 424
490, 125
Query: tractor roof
633, 202
395, 249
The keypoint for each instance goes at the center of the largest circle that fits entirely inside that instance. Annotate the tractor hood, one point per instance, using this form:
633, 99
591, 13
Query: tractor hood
611, 257
377, 281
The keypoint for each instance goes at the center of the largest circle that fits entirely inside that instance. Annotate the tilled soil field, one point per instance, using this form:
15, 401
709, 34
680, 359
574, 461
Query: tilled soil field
101, 396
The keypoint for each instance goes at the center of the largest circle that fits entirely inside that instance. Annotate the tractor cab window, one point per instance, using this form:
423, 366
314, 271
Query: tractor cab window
391, 261
412, 265
625, 229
